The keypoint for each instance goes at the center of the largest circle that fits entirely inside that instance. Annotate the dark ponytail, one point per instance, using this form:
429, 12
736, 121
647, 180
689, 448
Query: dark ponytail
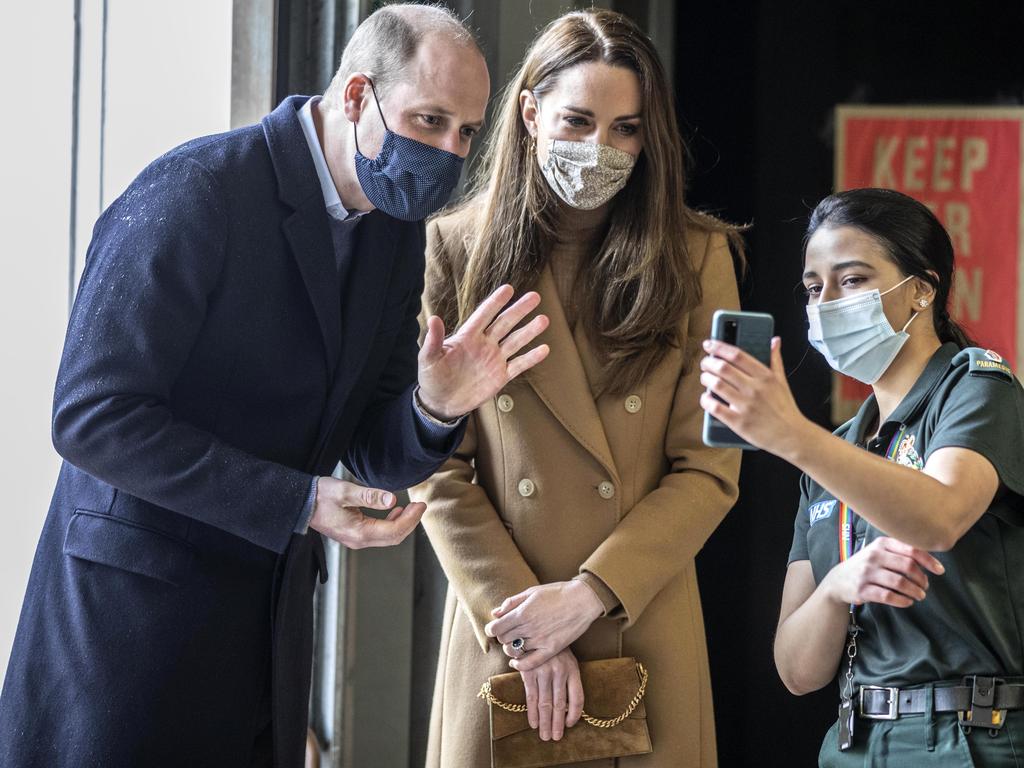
949, 330
912, 236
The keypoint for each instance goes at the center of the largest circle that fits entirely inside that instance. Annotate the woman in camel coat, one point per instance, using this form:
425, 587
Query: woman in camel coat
583, 491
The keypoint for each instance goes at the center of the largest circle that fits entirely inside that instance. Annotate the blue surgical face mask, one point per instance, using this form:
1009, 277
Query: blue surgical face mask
854, 335
408, 179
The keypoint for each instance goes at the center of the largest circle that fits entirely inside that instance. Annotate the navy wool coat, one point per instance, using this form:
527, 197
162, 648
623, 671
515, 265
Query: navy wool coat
213, 364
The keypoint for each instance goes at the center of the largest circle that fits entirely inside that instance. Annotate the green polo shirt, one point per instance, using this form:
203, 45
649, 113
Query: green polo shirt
971, 621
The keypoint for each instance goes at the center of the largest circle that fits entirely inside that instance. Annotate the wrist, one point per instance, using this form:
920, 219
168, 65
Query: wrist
800, 442
828, 590
586, 598
432, 407
320, 501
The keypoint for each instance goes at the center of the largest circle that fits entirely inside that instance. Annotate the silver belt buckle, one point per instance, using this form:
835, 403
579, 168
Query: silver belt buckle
892, 701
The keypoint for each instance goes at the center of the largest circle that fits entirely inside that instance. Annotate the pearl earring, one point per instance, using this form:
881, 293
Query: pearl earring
923, 303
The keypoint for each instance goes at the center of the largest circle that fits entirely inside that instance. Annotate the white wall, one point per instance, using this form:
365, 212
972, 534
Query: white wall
35, 141
168, 79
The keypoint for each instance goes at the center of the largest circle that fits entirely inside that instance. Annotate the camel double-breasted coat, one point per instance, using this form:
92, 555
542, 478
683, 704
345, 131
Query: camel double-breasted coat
550, 483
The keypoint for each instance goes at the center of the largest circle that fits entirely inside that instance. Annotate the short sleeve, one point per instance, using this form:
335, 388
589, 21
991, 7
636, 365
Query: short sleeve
985, 414
801, 526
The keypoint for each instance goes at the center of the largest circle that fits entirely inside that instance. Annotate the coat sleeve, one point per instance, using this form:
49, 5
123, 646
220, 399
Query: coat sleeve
668, 527
156, 257
391, 448
476, 551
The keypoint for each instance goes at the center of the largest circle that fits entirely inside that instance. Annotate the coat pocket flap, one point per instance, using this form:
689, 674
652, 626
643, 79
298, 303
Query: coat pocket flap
609, 686
122, 544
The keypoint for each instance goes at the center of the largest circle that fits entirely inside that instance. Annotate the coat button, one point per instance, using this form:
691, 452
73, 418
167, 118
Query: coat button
505, 403
606, 490
634, 404
526, 487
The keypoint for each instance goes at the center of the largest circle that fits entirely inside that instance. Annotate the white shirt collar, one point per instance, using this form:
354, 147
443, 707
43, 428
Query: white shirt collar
331, 197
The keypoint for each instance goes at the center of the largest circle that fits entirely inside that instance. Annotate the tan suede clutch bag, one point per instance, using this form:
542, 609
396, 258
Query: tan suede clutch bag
614, 722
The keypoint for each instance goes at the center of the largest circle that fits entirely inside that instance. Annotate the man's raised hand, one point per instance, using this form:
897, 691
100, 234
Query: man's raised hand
457, 374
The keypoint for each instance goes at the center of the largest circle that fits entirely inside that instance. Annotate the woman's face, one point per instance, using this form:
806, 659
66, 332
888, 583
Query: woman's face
592, 102
844, 261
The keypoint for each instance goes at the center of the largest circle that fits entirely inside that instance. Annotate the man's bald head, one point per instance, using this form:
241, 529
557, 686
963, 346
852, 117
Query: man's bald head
384, 44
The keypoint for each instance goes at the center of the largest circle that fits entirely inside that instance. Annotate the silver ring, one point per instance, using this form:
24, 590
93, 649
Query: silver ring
518, 646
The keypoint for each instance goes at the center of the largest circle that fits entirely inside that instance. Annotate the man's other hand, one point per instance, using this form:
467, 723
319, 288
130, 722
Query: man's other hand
338, 515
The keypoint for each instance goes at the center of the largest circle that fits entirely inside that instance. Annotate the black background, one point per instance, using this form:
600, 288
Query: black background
756, 87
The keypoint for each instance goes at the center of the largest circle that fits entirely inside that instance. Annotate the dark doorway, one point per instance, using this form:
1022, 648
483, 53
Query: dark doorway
757, 83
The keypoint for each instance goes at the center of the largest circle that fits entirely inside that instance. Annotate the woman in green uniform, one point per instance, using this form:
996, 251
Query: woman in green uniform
905, 577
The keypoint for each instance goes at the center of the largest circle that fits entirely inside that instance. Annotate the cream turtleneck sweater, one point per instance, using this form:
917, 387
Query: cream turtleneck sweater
579, 236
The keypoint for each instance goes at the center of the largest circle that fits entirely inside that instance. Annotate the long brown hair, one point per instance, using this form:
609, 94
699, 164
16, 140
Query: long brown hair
641, 282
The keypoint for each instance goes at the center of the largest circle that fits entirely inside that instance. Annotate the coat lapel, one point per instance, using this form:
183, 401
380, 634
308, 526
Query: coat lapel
592, 367
309, 238
561, 378
307, 228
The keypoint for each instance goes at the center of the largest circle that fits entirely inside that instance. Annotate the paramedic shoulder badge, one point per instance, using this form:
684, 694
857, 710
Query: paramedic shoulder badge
985, 362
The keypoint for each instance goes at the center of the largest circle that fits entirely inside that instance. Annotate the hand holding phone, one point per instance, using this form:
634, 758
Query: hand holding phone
752, 332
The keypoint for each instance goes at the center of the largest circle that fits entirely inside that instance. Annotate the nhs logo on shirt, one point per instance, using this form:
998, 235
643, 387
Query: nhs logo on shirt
821, 511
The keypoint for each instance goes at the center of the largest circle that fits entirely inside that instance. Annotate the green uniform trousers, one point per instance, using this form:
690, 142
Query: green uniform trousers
923, 741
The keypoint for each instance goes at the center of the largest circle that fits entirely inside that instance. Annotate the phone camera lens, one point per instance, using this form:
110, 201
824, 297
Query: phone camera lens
730, 331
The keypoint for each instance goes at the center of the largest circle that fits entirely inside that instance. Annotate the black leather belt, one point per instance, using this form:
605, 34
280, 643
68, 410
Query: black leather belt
978, 695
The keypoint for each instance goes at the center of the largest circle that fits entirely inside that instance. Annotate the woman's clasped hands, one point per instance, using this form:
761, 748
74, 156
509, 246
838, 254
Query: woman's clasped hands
536, 628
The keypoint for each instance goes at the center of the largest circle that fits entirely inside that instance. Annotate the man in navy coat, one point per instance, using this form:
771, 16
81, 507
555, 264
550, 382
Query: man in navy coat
248, 317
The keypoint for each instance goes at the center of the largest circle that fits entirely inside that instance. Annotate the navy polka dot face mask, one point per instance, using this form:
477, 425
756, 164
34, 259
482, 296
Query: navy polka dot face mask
408, 179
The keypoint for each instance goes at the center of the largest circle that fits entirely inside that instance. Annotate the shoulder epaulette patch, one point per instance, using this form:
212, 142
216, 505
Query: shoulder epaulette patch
985, 362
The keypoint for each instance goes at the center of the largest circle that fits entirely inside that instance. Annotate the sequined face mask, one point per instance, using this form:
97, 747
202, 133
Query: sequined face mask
586, 175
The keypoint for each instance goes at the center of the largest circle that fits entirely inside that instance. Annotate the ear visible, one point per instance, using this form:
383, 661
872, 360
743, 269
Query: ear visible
924, 292
528, 110
355, 96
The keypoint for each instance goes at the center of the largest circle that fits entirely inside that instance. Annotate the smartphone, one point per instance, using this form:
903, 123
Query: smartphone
752, 332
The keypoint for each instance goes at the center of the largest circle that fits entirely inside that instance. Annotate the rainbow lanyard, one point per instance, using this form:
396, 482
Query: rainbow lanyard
846, 515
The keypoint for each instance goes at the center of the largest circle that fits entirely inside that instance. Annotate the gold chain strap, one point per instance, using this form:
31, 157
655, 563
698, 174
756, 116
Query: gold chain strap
490, 698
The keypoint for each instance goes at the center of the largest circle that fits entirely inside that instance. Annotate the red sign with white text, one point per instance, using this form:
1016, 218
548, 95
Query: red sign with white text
965, 164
